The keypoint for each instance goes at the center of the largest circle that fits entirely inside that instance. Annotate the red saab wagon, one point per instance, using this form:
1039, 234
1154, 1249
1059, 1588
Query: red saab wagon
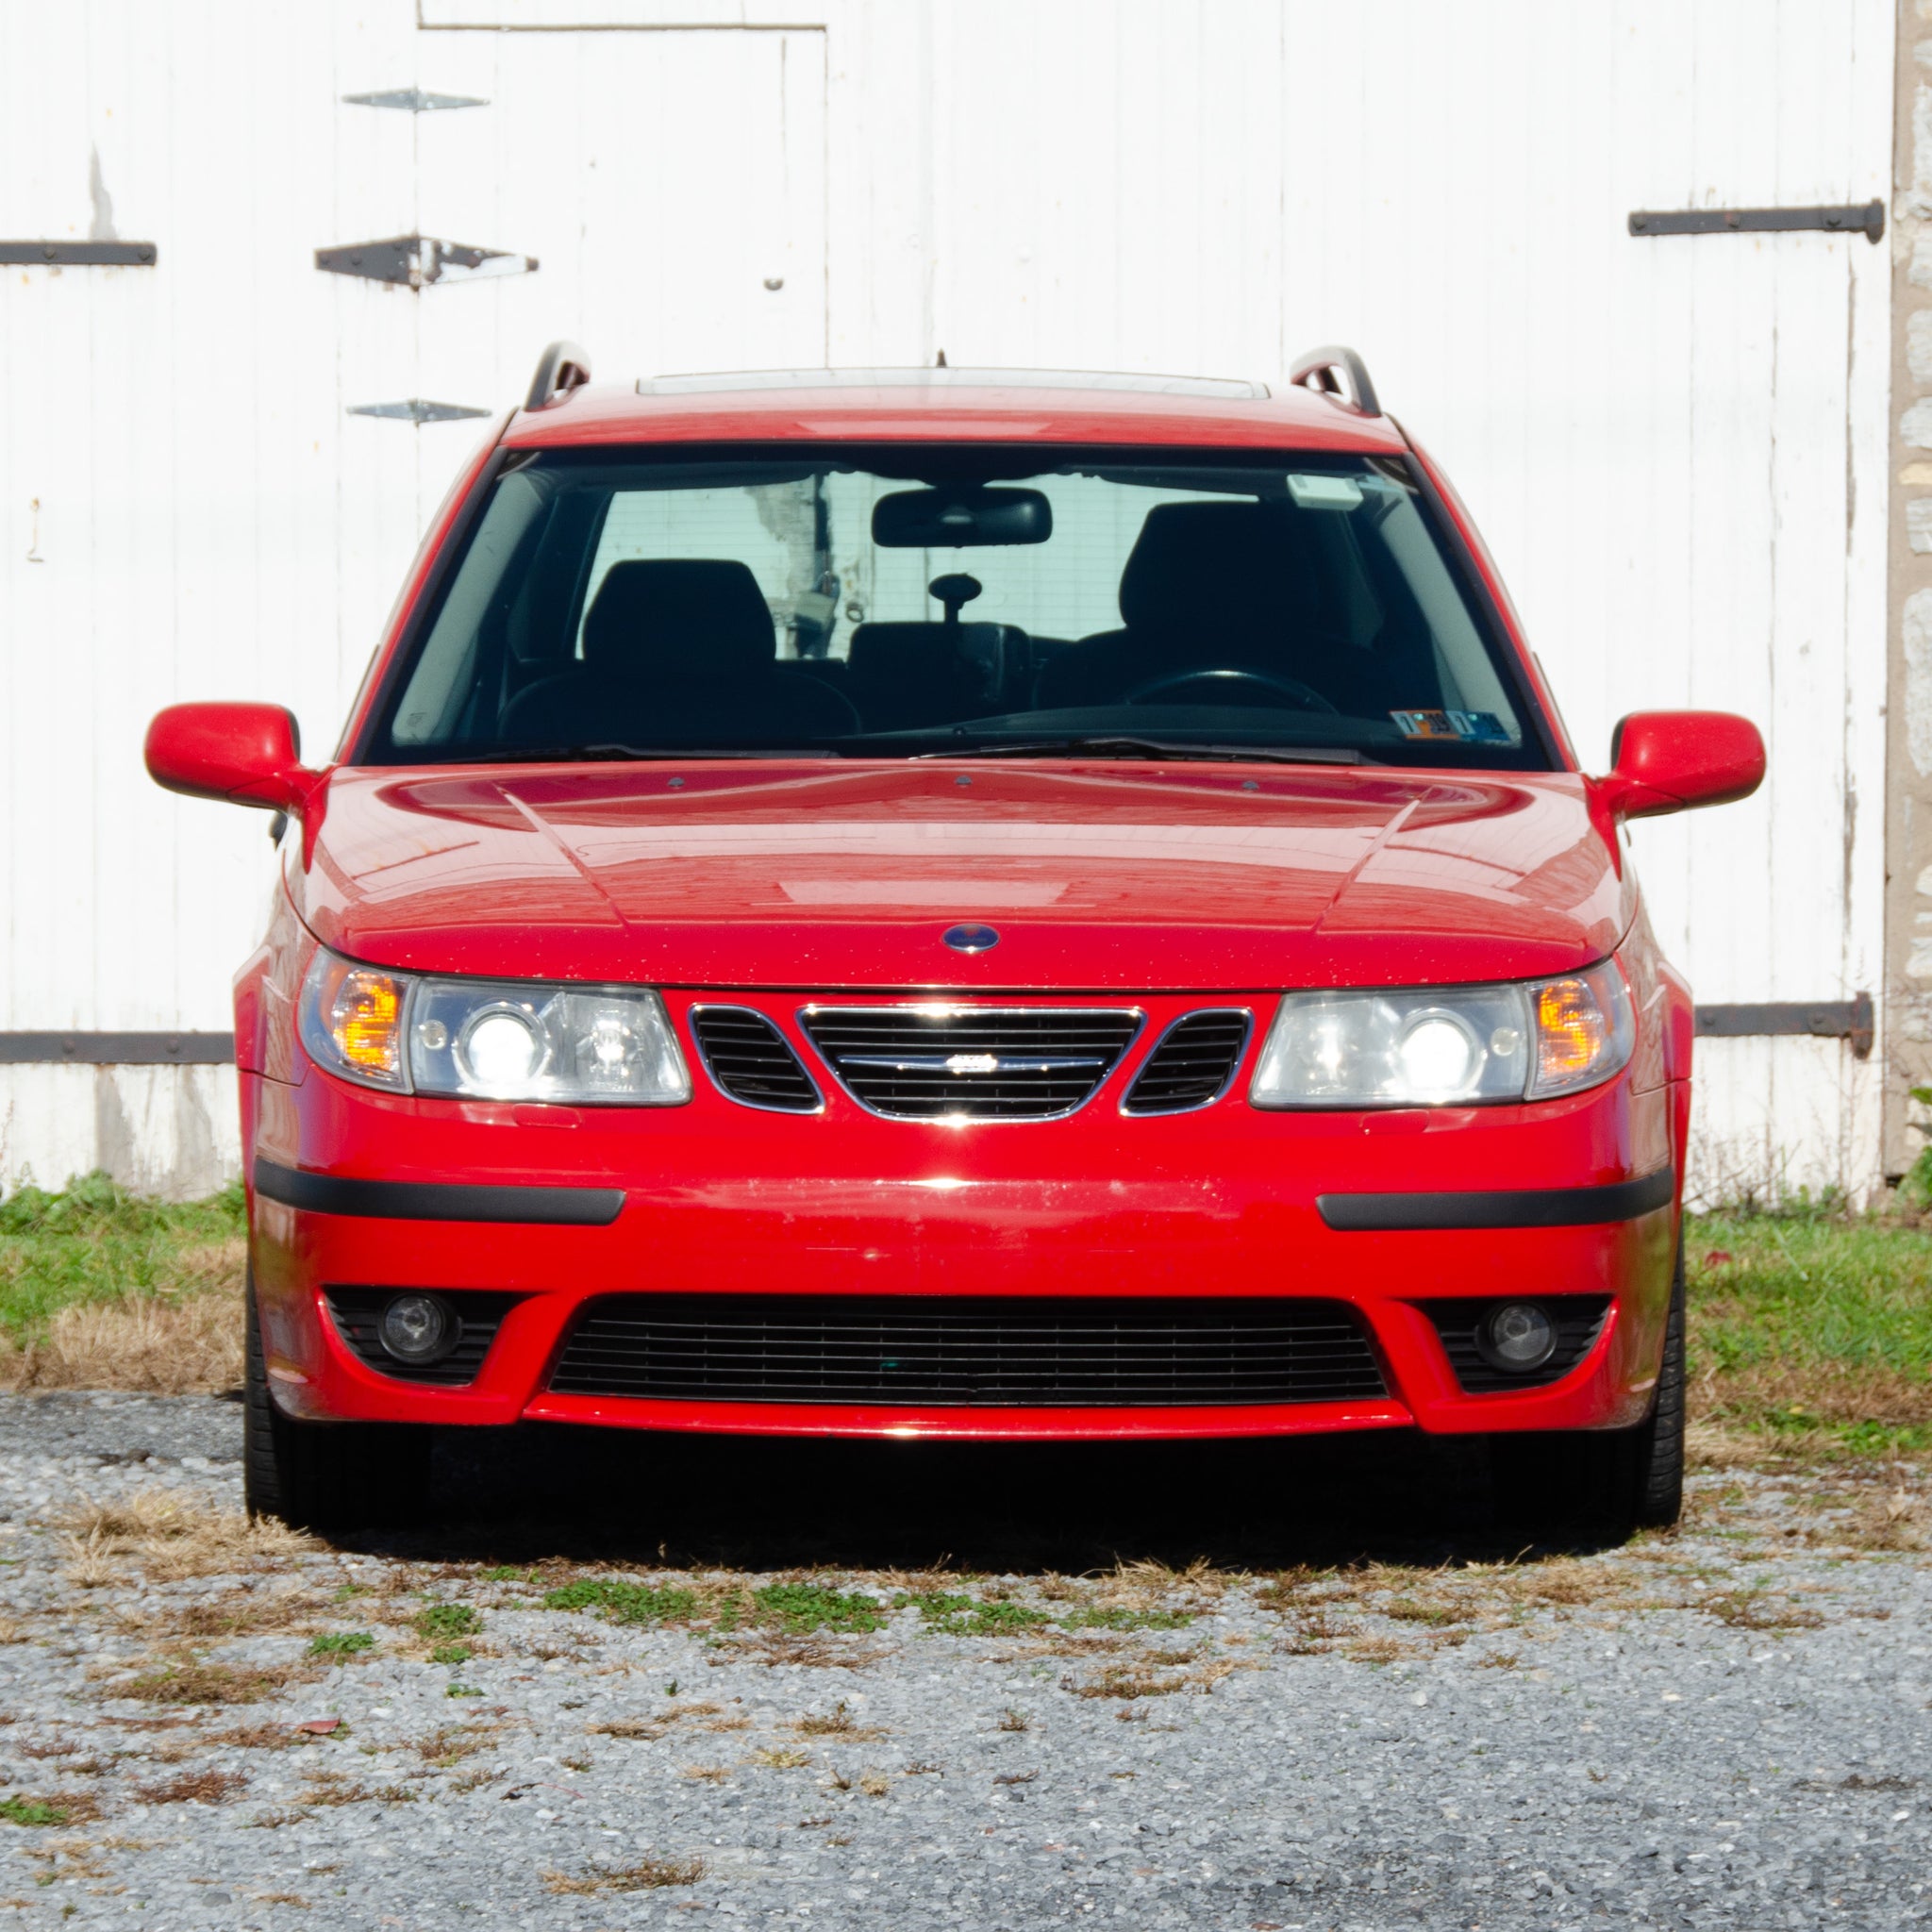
950, 904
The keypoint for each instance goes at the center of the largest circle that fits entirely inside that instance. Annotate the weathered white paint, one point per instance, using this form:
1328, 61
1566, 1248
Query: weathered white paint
1677, 448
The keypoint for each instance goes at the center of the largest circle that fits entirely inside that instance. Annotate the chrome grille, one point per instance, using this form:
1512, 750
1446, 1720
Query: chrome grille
950, 1062
965, 1351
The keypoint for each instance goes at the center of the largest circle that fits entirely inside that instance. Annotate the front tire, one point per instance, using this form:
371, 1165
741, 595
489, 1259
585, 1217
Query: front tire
1656, 1472
324, 1476
1621, 1480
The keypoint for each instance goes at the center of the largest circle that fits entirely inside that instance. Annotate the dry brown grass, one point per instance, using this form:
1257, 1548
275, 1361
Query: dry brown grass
649, 1874
1125, 1682
195, 1787
838, 1723
170, 1536
184, 1344
326, 1787
194, 1681
705, 1774
451, 1744
778, 1758
637, 1728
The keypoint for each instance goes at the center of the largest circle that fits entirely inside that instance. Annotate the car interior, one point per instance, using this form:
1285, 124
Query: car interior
1233, 611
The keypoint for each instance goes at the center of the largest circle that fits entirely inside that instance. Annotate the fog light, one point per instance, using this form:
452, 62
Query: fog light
419, 1328
1517, 1335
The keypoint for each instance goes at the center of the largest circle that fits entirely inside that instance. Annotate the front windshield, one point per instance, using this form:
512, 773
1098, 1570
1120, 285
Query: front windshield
917, 600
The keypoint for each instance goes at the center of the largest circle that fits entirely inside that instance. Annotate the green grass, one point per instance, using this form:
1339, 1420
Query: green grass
95, 1242
340, 1643
954, 1614
32, 1811
800, 1608
441, 1621
1813, 1329
626, 1603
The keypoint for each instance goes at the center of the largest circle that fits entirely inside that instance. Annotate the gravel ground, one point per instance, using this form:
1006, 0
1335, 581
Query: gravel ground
1725, 1727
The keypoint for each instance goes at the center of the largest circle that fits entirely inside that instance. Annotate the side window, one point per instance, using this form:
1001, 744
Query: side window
445, 674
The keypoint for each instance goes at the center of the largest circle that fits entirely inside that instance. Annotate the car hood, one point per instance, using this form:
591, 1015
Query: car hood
1095, 875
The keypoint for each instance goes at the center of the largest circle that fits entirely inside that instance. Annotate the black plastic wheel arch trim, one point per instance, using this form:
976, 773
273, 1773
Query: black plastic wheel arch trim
1509, 1207
330, 1193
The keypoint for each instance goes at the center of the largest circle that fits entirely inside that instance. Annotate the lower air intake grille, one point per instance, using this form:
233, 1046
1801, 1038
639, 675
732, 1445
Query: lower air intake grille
1193, 1064
1014, 1063
751, 1061
358, 1309
1578, 1318
962, 1352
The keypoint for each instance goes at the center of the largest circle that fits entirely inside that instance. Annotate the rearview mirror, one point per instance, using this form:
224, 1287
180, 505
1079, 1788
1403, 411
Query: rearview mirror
1666, 761
243, 754
950, 518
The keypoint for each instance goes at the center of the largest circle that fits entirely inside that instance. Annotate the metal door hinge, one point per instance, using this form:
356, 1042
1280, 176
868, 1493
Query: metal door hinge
1868, 219
414, 409
415, 261
414, 100
79, 254
1850, 1020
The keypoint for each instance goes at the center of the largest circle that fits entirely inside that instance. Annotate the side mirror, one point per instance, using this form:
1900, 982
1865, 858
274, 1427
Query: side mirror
1665, 760
243, 754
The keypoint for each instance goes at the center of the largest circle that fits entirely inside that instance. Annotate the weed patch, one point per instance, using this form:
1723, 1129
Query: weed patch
61, 1810
953, 1613
626, 1603
340, 1643
439, 1623
799, 1609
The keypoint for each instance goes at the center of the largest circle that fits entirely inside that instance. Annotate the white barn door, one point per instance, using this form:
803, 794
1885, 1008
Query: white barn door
670, 188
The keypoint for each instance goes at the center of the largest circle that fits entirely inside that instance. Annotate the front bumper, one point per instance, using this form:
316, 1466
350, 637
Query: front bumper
717, 1198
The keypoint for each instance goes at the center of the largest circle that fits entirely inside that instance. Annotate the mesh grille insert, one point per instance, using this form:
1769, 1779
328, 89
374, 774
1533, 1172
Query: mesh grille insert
356, 1311
1193, 1063
751, 1061
976, 1062
961, 1352
1579, 1320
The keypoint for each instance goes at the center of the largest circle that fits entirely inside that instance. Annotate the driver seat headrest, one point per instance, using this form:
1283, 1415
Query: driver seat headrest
1221, 567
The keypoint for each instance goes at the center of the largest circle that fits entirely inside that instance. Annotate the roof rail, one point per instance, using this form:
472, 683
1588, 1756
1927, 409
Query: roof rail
561, 368
1316, 371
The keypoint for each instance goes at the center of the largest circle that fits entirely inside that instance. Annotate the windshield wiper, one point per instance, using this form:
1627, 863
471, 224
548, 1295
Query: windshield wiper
1116, 747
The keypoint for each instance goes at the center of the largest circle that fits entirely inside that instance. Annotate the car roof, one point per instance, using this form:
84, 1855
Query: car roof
954, 406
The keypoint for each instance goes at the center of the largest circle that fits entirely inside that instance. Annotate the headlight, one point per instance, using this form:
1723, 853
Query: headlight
1450, 1045
492, 1040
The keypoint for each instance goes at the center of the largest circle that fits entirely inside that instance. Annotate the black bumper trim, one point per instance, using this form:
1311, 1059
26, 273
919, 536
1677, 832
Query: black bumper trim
1510, 1207
328, 1194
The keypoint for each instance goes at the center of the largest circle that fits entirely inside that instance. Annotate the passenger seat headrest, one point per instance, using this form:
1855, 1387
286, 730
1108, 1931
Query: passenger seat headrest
683, 620
1224, 565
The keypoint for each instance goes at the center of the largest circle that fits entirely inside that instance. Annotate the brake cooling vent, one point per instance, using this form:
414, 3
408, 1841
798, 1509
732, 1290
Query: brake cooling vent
967, 1352
751, 1061
1579, 1320
949, 1062
1193, 1064
357, 1312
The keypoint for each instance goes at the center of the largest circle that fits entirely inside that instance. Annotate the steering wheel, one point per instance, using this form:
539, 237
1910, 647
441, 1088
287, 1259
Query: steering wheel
1304, 696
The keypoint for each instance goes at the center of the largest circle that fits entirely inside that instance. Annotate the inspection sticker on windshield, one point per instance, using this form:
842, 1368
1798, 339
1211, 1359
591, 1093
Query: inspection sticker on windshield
1460, 727
1324, 493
